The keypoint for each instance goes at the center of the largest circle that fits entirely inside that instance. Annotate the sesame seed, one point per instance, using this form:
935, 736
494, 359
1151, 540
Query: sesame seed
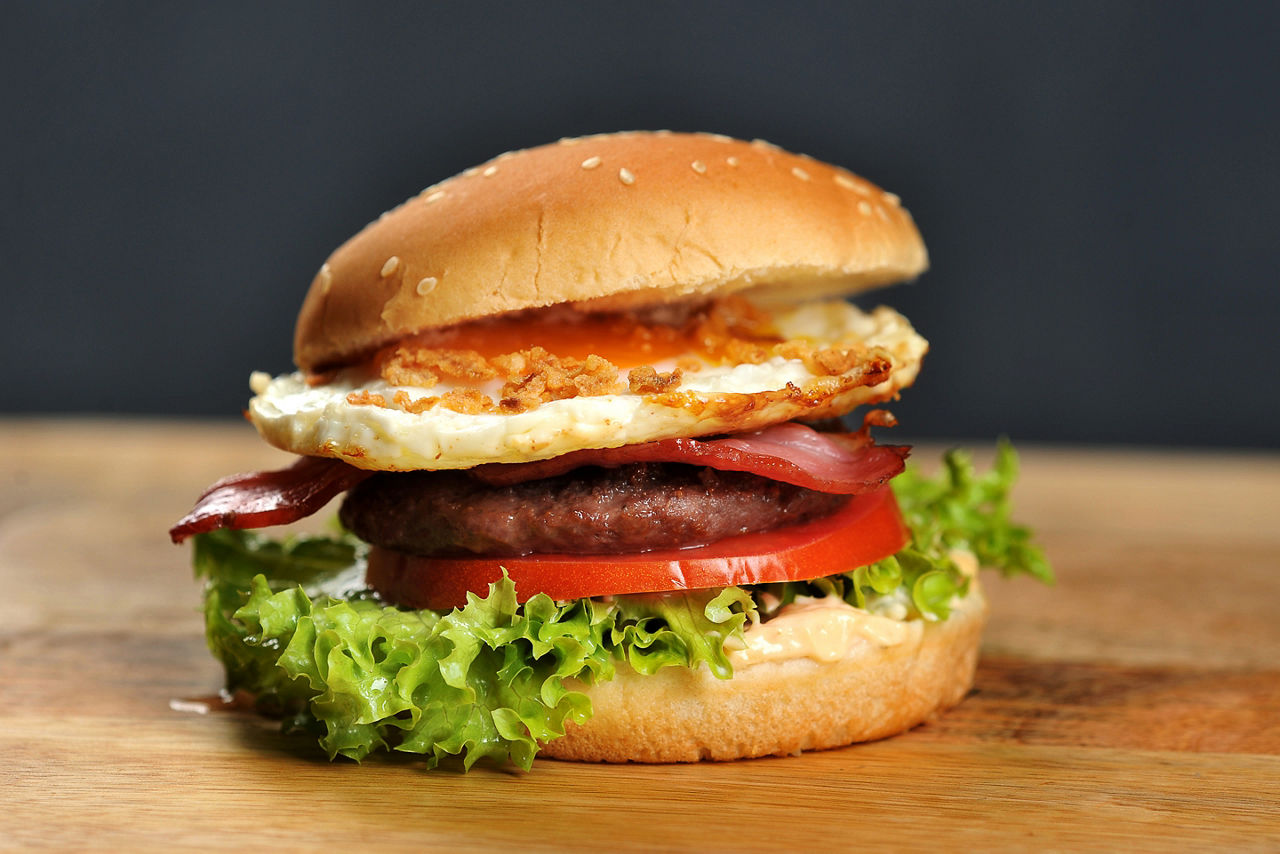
591, 163
846, 182
434, 197
863, 189
570, 140
864, 208
626, 177
258, 381
699, 167
470, 173
892, 199
719, 137
490, 172
426, 285
390, 266
326, 277
732, 161
800, 173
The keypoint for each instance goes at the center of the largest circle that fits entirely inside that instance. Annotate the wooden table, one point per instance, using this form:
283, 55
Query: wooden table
1136, 705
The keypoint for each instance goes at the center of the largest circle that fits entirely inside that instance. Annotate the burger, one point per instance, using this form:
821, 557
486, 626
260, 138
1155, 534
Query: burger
600, 416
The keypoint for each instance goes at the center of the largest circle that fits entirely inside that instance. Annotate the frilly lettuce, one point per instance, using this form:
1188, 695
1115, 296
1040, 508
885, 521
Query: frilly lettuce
957, 510
490, 679
293, 627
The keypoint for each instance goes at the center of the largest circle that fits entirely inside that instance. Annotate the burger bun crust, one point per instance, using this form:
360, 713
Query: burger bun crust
607, 222
780, 708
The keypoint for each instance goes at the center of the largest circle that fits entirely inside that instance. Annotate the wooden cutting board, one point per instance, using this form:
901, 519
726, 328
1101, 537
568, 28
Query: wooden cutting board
1136, 705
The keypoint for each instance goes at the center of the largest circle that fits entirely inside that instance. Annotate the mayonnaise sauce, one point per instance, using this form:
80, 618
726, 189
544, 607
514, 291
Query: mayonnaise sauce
825, 629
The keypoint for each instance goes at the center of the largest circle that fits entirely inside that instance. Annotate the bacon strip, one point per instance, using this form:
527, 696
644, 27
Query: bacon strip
792, 453
265, 498
846, 464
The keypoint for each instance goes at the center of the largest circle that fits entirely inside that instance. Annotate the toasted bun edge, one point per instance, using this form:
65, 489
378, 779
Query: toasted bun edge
779, 708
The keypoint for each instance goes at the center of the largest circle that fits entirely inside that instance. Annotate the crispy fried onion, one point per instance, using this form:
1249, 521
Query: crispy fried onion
726, 331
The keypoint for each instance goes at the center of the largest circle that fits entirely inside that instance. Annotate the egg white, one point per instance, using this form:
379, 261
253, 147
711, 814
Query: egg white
319, 420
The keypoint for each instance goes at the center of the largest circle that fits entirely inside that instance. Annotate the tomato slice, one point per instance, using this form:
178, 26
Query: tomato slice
869, 527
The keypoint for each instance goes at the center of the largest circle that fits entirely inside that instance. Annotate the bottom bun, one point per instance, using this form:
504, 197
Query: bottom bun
778, 708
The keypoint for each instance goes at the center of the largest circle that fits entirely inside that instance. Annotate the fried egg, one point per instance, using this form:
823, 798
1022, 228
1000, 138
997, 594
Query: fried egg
325, 419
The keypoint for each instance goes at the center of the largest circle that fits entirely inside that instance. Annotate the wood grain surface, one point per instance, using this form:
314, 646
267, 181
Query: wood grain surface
1135, 705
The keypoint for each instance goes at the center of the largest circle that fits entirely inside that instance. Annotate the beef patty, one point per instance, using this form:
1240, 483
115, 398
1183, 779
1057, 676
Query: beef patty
592, 510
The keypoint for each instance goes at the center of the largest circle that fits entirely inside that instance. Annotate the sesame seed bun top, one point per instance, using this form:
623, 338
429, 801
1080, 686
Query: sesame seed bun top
607, 222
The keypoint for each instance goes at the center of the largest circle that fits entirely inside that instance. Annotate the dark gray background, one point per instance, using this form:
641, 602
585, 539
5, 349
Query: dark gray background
1098, 182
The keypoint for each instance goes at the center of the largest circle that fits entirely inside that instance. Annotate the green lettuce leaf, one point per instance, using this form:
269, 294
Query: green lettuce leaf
488, 680
293, 626
963, 509
958, 509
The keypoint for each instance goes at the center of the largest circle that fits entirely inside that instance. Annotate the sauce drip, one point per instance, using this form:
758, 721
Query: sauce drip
821, 629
